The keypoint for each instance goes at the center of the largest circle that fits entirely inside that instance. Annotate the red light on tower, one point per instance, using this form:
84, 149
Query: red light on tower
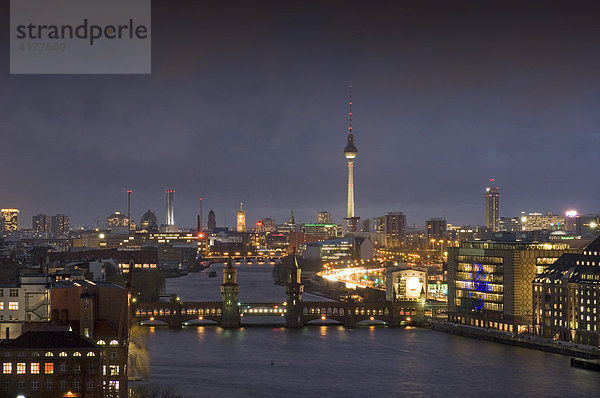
259, 223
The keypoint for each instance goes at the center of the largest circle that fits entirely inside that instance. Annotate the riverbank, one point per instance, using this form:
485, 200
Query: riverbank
527, 341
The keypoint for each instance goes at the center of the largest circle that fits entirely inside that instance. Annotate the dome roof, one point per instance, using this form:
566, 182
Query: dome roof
149, 221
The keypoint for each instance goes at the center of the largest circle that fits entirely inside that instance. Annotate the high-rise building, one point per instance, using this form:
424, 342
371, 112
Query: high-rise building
492, 207
211, 223
60, 224
394, 227
436, 228
323, 217
241, 220
10, 218
350, 153
170, 216
41, 223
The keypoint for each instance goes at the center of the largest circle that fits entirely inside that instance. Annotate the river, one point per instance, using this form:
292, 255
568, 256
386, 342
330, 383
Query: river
331, 361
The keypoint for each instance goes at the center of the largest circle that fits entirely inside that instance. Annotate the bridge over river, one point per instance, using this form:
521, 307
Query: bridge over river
294, 310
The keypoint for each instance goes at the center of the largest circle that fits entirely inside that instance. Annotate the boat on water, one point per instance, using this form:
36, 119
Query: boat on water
212, 273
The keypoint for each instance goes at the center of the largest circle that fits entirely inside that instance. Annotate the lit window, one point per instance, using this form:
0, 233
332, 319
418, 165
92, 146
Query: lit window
21, 368
49, 354
114, 342
1, 305
13, 306
35, 368
7, 368
91, 354
77, 354
62, 354
49, 368
101, 342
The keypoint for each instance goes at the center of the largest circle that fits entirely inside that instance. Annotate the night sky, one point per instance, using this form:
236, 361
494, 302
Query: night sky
247, 102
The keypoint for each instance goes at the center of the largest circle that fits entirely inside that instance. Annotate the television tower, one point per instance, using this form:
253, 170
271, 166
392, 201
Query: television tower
350, 153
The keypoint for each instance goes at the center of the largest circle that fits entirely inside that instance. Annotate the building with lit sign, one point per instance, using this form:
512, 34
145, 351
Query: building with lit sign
489, 283
404, 283
566, 298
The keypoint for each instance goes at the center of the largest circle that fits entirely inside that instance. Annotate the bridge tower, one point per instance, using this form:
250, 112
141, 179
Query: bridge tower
294, 289
230, 313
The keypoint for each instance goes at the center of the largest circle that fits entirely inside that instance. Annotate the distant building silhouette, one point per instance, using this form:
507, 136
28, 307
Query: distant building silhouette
149, 222
212, 221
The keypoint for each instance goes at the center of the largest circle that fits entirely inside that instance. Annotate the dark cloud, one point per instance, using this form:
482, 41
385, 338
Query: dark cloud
247, 103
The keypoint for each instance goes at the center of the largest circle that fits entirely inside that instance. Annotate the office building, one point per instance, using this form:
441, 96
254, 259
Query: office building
489, 283
321, 231
539, 221
10, 220
566, 298
348, 248
492, 207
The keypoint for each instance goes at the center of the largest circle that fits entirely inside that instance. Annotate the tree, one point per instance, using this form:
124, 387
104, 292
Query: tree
138, 360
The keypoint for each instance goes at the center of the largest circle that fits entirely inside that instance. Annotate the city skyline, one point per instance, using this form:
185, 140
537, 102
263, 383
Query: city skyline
441, 110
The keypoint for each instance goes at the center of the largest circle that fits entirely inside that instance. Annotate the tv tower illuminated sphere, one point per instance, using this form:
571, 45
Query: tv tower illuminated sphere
350, 153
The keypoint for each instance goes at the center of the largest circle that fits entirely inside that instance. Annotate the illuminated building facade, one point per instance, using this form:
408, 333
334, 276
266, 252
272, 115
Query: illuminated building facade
25, 301
51, 364
489, 283
10, 220
539, 221
241, 220
116, 220
323, 217
321, 231
566, 298
348, 248
492, 207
